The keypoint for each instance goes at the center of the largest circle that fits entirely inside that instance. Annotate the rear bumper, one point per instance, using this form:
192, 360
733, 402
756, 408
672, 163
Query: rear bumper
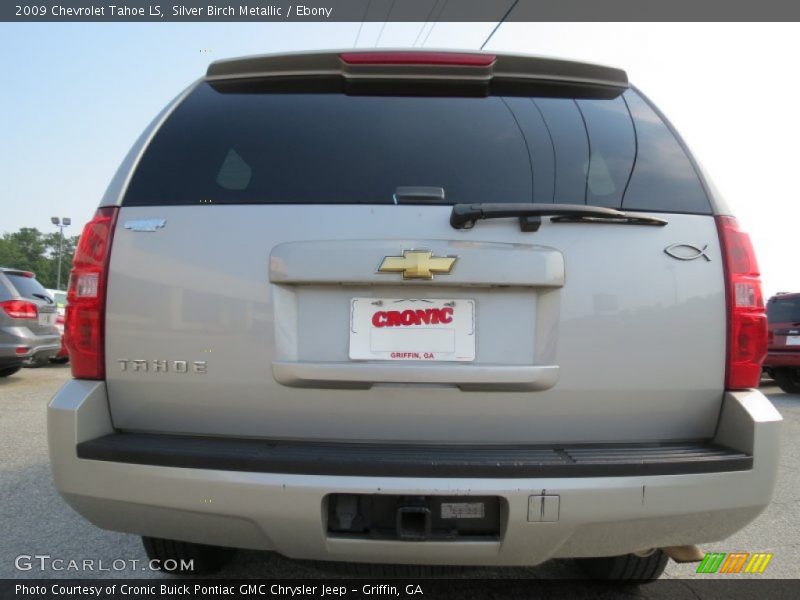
42, 353
598, 514
38, 347
10, 361
428, 461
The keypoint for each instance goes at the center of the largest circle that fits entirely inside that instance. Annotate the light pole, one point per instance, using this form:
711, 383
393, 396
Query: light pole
60, 223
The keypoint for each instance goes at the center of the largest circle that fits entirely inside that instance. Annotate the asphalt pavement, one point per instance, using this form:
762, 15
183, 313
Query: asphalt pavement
35, 521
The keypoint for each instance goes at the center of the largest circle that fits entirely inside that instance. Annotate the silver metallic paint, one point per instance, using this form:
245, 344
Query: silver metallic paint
638, 338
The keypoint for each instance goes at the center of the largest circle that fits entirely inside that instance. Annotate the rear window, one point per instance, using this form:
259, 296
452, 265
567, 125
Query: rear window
260, 148
27, 287
784, 310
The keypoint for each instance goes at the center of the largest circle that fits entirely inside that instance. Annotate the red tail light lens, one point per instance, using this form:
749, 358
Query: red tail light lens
20, 309
84, 328
458, 59
747, 320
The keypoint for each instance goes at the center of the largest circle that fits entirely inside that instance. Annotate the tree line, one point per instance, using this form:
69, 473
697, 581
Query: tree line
32, 250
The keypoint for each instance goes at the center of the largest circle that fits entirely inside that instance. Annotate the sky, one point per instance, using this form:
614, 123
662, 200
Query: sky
75, 96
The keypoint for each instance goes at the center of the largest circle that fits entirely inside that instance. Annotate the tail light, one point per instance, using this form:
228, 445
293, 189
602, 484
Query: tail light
747, 320
86, 297
20, 309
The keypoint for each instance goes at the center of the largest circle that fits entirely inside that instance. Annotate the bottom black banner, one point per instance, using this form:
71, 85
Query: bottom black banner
360, 589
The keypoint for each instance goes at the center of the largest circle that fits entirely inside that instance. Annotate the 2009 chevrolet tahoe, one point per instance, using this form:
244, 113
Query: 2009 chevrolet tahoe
415, 307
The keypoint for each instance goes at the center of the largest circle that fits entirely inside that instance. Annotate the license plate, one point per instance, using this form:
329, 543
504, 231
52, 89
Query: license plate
793, 340
429, 329
47, 319
462, 510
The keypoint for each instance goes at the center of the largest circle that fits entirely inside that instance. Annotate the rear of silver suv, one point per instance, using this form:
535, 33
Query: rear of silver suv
28, 331
415, 307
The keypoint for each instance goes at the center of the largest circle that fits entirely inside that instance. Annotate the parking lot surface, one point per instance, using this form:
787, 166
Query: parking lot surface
37, 522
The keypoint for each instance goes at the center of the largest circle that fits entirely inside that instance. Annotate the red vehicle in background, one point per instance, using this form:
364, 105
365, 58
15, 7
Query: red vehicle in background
783, 358
63, 355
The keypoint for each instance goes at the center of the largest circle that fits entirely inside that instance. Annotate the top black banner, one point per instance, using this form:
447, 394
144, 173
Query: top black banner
419, 11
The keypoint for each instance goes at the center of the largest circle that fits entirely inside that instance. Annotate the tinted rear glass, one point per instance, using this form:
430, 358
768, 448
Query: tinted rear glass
664, 177
219, 148
28, 287
785, 310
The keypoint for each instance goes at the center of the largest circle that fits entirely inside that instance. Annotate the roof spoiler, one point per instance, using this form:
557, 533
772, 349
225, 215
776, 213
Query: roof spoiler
19, 272
374, 70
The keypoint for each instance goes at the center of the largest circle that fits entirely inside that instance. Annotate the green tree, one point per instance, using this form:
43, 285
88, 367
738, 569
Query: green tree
68, 251
32, 250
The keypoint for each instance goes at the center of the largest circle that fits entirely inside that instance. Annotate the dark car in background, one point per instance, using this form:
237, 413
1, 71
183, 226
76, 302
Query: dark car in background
28, 332
783, 358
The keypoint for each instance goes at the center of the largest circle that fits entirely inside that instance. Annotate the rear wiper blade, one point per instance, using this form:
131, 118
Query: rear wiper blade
44, 297
624, 219
464, 216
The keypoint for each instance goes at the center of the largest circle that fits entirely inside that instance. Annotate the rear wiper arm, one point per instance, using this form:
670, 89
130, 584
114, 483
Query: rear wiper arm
464, 216
47, 299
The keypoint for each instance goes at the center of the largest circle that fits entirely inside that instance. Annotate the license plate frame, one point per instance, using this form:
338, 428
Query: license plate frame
412, 329
793, 340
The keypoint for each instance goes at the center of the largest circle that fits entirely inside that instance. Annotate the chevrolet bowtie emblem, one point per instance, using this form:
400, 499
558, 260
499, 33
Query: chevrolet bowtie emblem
417, 264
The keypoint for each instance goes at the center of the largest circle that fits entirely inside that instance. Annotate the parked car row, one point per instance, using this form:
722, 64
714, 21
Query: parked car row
31, 323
